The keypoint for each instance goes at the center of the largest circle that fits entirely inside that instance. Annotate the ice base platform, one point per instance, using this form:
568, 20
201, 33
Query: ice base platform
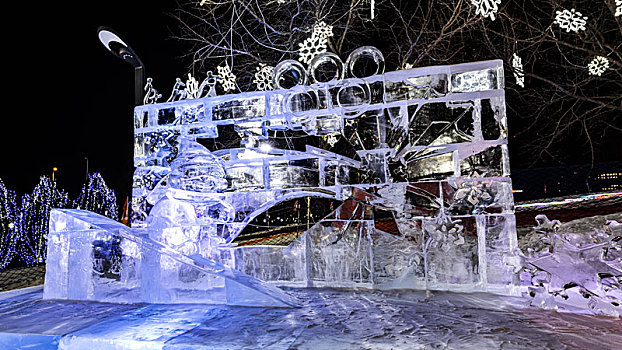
328, 319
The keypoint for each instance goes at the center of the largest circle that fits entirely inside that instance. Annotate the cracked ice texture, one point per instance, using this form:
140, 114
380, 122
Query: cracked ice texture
391, 181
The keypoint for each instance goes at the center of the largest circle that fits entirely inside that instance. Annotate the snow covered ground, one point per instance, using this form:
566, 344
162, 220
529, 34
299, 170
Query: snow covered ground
329, 319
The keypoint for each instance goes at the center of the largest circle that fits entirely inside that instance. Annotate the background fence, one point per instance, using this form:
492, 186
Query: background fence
567, 193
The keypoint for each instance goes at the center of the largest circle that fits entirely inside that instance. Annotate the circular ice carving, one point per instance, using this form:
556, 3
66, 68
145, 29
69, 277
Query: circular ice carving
326, 64
353, 96
359, 63
300, 101
288, 74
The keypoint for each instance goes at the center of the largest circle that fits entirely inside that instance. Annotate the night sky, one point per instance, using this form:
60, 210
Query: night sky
70, 98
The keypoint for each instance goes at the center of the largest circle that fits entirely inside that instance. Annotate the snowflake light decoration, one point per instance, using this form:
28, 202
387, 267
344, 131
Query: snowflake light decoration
570, 20
322, 30
598, 65
311, 47
519, 74
618, 8
486, 8
263, 77
226, 78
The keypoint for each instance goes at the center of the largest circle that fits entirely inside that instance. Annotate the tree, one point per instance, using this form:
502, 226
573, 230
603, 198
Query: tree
34, 219
96, 197
563, 103
7, 225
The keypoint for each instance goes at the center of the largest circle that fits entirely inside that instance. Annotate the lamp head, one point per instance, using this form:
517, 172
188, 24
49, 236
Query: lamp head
118, 47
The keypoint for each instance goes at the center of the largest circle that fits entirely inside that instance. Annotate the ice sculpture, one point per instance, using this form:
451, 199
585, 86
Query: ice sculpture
388, 180
574, 270
95, 258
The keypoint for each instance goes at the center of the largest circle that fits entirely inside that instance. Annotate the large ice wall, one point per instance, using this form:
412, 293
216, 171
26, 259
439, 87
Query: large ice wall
396, 180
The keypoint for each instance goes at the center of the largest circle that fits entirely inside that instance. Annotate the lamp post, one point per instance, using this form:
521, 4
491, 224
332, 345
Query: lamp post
87, 169
120, 49
54, 169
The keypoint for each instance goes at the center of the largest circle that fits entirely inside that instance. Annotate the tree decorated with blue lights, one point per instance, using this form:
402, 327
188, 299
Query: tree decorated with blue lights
7, 225
96, 197
34, 217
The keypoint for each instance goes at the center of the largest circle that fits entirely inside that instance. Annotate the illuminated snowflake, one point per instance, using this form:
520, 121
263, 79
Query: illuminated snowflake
486, 8
311, 47
192, 87
618, 8
598, 65
322, 30
263, 77
570, 20
519, 74
226, 78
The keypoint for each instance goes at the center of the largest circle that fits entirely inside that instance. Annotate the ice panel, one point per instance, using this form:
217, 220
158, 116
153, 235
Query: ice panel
183, 276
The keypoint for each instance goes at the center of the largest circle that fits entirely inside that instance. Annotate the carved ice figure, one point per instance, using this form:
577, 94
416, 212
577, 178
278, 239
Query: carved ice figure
173, 222
196, 169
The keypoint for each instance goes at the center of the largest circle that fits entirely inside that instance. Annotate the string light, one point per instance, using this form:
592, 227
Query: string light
24, 226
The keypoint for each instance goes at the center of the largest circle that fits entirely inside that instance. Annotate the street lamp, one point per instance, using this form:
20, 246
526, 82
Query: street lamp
87, 168
54, 169
120, 49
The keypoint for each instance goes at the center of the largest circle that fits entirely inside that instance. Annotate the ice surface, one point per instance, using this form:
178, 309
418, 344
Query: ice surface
328, 319
395, 180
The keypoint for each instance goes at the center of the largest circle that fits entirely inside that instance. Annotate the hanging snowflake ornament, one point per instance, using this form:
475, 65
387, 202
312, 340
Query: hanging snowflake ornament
311, 47
227, 79
598, 65
570, 20
618, 8
322, 30
263, 77
519, 74
486, 8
